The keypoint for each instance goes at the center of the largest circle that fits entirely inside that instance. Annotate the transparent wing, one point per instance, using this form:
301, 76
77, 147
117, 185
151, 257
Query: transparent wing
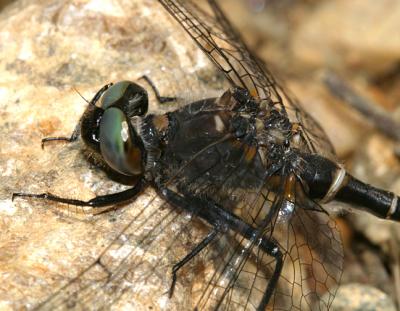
233, 272
218, 39
312, 266
313, 261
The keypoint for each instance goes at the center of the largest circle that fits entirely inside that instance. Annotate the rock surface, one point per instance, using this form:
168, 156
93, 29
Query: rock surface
47, 49
359, 34
358, 297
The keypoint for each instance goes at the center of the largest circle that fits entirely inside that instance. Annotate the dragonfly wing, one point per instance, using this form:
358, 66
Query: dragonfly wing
223, 45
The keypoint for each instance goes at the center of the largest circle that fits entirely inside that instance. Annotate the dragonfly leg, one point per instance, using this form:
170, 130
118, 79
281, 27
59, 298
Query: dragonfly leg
272, 249
223, 220
74, 136
160, 99
76, 132
199, 247
98, 201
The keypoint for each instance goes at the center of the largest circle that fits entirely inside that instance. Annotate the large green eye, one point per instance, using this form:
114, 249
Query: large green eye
128, 96
119, 144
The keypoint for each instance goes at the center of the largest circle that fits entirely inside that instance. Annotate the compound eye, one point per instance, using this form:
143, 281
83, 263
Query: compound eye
119, 144
130, 97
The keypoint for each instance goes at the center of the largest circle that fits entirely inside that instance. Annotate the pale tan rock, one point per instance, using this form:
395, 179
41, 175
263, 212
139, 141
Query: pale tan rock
357, 297
47, 48
361, 34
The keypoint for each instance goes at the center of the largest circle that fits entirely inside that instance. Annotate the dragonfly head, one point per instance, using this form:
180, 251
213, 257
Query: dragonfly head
107, 130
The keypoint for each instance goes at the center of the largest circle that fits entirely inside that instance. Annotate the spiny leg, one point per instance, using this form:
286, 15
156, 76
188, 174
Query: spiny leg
272, 249
75, 134
199, 247
160, 99
223, 220
98, 201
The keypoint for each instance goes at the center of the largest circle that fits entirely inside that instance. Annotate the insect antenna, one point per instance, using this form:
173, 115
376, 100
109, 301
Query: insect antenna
79, 93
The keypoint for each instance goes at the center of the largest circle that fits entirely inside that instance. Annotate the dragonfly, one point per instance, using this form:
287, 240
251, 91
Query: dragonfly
250, 168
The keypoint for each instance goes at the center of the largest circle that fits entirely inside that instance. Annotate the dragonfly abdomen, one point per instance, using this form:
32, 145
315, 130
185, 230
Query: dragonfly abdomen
327, 181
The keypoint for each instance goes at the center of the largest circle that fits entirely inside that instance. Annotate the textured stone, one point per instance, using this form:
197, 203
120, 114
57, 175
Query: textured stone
47, 49
359, 34
358, 297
